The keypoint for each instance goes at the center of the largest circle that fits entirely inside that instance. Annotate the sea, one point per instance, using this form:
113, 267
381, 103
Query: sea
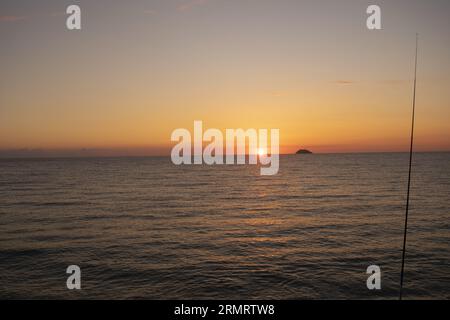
143, 228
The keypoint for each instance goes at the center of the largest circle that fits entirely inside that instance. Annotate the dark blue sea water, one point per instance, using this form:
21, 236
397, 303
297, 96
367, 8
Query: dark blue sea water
144, 228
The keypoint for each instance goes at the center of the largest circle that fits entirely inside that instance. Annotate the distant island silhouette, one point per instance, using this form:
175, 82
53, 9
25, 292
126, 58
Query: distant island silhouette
303, 151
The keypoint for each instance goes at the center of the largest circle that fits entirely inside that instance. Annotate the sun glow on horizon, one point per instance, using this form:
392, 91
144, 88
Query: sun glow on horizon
262, 152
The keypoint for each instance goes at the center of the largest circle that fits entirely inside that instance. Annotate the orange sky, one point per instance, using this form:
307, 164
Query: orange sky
135, 73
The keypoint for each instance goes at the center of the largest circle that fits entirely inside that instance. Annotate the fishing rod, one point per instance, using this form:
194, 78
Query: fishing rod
409, 171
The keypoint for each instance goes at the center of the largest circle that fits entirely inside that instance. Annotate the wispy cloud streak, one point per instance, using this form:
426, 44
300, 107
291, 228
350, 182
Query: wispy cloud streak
11, 18
344, 82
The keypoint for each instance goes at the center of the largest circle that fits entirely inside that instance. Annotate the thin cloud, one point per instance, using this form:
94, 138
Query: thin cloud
188, 5
344, 82
11, 18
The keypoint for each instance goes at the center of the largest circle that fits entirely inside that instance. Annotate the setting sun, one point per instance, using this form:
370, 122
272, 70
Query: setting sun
262, 151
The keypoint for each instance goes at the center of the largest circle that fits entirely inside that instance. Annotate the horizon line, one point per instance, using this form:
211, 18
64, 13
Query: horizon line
43, 157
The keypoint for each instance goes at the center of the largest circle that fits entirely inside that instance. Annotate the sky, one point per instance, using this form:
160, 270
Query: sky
140, 69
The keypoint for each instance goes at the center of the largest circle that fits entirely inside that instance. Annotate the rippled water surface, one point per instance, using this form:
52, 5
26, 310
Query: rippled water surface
144, 228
